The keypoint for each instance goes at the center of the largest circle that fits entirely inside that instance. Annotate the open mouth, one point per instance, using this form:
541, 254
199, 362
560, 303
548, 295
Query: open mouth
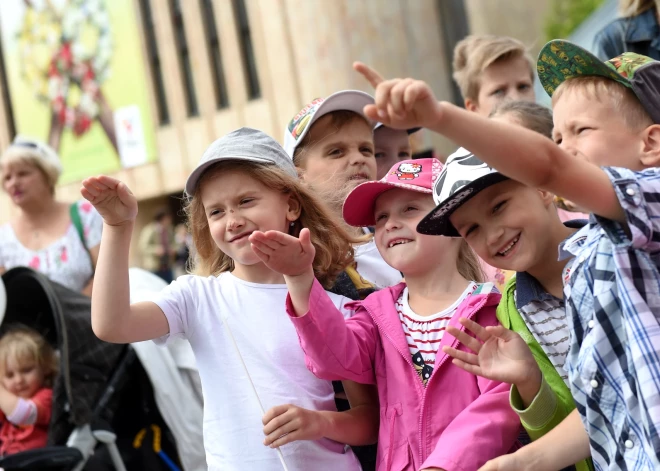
359, 176
396, 242
505, 251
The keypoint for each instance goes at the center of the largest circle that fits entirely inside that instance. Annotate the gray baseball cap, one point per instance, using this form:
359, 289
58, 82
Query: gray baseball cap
242, 144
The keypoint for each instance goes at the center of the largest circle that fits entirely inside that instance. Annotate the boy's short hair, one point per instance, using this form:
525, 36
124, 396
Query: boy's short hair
531, 115
475, 53
622, 98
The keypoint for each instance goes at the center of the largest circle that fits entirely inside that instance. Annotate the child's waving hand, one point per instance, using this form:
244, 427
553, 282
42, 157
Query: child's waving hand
503, 355
285, 254
111, 198
400, 103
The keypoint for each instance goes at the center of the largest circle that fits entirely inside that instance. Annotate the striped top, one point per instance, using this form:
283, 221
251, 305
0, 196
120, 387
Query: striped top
424, 333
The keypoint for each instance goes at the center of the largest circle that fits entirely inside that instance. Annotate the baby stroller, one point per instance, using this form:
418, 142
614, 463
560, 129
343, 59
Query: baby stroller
105, 415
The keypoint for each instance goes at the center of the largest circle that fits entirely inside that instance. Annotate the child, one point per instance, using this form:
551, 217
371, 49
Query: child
491, 69
433, 415
28, 366
605, 115
532, 302
243, 183
331, 142
392, 146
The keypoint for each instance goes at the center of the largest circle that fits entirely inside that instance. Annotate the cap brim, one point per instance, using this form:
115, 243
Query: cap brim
358, 209
347, 100
561, 60
437, 221
193, 179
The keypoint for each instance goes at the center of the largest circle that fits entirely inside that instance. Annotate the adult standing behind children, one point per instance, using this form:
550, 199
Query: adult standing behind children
158, 247
60, 240
638, 30
331, 143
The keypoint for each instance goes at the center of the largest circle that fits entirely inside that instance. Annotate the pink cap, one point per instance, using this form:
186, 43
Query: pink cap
414, 175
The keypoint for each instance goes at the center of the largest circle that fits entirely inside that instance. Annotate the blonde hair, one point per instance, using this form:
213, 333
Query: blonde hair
24, 154
467, 264
334, 251
630, 8
476, 53
24, 345
531, 115
623, 99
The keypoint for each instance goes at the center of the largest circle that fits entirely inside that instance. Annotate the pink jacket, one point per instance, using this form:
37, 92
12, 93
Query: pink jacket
457, 423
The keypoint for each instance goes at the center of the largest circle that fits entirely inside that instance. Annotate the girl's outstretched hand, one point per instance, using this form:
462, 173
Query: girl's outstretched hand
503, 355
400, 103
111, 198
283, 253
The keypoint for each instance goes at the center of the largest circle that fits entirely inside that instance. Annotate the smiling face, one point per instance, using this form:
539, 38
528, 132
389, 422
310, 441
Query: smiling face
22, 378
338, 159
593, 130
236, 204
505, 79
508, 225
392, 146
397, 213
24, 183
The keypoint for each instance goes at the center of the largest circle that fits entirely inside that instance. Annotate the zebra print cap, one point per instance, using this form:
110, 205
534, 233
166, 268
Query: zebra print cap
463, 176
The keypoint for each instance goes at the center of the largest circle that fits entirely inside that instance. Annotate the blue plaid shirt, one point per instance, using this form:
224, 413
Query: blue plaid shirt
613, 309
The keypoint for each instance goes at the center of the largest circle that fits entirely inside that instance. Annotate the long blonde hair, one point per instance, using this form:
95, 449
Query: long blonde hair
334, 251
630, 8
467, 264
26, 345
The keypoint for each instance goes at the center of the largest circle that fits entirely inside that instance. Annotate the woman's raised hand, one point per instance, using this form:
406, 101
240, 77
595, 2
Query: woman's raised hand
111, 198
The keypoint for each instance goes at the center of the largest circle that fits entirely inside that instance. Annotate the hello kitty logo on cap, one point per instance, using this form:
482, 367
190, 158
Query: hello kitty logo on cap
301, 123
463, 176
414, 175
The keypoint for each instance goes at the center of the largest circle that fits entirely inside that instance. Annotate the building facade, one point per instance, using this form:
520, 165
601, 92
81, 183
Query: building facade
215, 65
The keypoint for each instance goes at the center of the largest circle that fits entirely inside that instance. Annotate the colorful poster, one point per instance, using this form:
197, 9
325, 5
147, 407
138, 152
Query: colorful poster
77, 80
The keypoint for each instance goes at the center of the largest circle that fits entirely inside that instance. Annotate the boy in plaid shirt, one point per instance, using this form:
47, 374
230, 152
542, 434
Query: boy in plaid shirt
607, 135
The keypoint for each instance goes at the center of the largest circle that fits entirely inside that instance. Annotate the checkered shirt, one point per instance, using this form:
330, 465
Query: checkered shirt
613, 309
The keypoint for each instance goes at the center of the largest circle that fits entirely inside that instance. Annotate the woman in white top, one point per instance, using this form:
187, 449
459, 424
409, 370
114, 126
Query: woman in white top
55, 238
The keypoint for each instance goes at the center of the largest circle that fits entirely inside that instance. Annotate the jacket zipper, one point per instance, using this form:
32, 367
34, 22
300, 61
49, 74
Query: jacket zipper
407, 359
422, 441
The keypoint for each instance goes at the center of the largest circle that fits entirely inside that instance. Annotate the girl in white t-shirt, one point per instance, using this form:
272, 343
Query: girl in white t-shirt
244, 183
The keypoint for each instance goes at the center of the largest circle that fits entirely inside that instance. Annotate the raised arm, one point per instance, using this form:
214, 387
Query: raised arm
114, 319
519, 153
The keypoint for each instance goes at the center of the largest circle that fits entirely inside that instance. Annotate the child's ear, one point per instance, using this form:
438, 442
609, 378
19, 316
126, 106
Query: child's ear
295, 209
651, 149
471, 105
547, 197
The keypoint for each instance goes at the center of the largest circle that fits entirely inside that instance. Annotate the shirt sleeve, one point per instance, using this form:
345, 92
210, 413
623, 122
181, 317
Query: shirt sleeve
92, 223
36, 410
639, 196
177, 301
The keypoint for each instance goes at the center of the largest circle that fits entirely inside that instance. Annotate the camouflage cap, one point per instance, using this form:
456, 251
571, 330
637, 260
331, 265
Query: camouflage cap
561, 60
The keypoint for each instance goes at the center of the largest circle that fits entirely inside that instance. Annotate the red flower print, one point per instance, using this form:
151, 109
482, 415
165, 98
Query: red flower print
35, 263
499, 277
86, 206
64, 256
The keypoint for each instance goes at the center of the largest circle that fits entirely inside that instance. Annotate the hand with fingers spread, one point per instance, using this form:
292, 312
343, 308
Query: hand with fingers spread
400, 103
499, 355
111, 198
283, 253
288, 423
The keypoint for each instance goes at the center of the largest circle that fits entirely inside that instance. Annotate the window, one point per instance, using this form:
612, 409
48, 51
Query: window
154, 62
215, 57
4, 86
245, 39
184, 58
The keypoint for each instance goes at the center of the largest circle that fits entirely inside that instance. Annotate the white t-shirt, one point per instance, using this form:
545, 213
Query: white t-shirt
255, 313
372, 267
